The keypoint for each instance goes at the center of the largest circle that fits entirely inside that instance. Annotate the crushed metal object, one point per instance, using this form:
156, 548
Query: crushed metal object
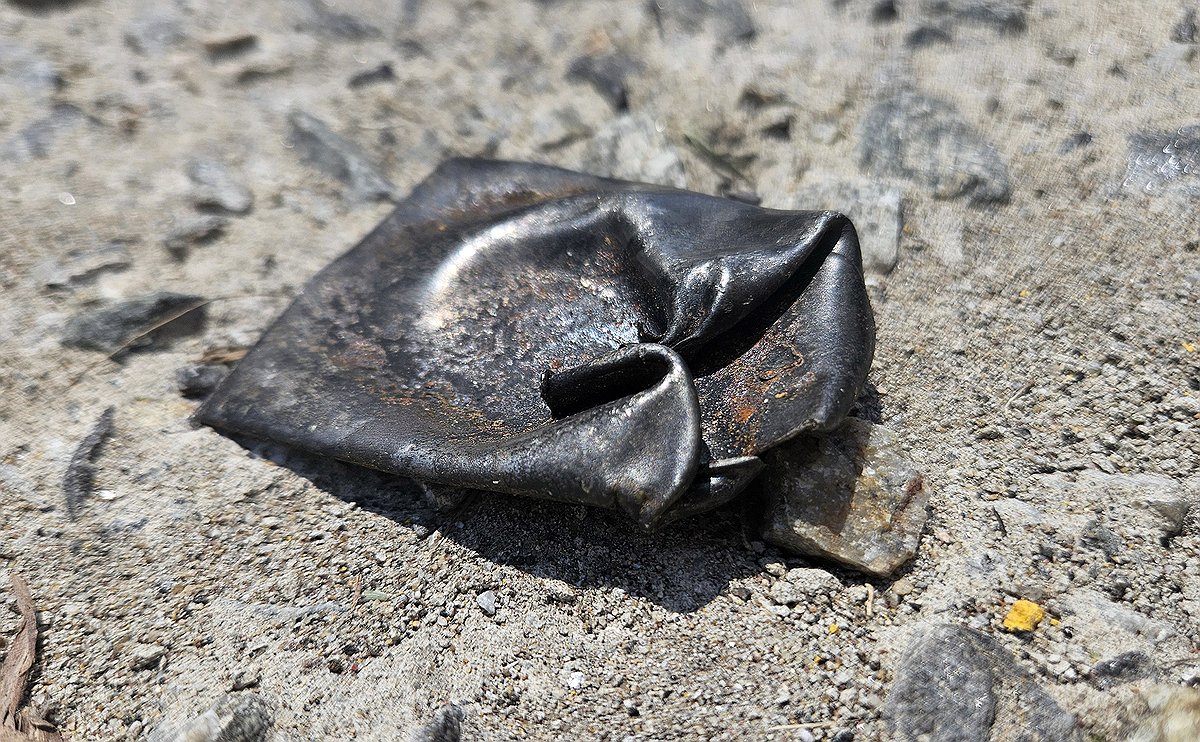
525, 329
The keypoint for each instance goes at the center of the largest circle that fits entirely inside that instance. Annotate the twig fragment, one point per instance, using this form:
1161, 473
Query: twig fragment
17, 725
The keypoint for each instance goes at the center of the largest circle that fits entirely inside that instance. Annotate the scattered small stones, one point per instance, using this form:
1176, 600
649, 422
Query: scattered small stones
487, 602
146, 322
926, 140
198, 381
607, 73
1164, 158
446, 726
875, 209
955, 683
634, 147
217, 187
77, 482
192, 231
380, 73
339, 158
850, 496
235, 717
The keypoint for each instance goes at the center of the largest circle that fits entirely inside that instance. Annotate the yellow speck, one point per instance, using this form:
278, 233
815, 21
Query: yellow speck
1024, 293
1189, 347
1025, 615
833, 628
1055, 622
780, 395
818, 659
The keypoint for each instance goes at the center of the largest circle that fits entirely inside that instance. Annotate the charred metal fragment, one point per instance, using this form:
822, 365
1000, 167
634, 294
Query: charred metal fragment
524, 329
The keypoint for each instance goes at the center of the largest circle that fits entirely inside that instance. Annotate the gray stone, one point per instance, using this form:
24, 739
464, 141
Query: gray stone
875, 209
194, 230
729, 19
850, 496
1122, 668
36, 140
155, 32
217, 187
1004, 16
339, 158
1099, 614
335, 24
1141, 503
446, 726
83, 265
607, 73
926, 140
146, 656
199, 380
955, 684
1185, 31
800, 584
634, 147
1164, 161
25, 72
235, 717
487, 602
110, 327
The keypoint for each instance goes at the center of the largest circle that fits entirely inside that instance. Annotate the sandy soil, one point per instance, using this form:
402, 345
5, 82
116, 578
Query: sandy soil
1039, 357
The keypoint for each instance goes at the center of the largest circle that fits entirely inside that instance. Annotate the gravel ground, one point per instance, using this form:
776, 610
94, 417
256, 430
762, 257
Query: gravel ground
1027, 183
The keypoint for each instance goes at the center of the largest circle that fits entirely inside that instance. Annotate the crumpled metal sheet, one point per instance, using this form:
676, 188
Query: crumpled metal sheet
525, 329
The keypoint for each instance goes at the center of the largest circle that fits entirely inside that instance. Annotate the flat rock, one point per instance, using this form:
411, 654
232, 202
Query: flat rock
1090, 613
1122, 668
217, 187
25, 72
876, 210
926, 140
109, 327
1004, 16
1160, 161
634, 147
955, 684
82, 265
38, 138
730, 20
318, 145
1148, 505
193, 230
235, 717
851, 496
